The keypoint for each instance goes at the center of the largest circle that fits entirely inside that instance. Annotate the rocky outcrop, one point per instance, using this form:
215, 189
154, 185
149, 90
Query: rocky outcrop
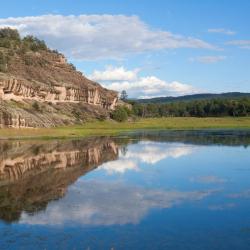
44, 76
18, 90
55, 100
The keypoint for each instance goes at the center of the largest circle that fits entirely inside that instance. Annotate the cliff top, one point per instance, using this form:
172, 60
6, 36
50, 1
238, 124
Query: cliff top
29, 59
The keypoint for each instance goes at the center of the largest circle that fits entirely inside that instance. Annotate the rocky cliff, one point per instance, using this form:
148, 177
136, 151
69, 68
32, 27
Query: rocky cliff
39, 88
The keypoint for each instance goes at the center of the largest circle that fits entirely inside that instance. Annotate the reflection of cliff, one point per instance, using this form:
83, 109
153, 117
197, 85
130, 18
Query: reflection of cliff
31, 175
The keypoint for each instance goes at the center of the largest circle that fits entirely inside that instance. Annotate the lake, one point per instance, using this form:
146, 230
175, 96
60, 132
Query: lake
142, 190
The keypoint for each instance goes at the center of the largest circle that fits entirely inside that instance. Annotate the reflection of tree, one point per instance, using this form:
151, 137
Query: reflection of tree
124, 150
202, 137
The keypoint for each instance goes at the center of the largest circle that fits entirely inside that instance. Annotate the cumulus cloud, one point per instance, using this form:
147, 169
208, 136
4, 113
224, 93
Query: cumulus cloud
118, 78
91, 37
242, 44
109, 203
120, 166
153, 152
114, 74
145, 152
207, 59
222, 31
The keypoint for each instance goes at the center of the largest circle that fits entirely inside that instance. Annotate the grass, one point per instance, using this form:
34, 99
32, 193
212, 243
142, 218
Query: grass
113, 128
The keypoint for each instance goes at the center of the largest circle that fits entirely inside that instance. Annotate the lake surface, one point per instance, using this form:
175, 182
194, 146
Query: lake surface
147, 190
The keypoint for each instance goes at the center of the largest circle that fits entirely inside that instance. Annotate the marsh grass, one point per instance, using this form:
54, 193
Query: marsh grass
97, 128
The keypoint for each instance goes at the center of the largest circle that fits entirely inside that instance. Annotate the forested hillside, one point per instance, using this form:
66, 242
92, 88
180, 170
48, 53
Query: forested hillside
201, 108
197, 97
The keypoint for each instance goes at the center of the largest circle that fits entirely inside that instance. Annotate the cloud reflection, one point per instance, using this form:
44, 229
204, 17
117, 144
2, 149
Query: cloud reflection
108, 203
148, 153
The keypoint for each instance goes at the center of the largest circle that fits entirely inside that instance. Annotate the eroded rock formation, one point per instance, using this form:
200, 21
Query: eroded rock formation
18, 90
64, 95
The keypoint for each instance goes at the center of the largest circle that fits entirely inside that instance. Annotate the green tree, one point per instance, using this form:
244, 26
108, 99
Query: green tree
124, 95
119, 114
3, 62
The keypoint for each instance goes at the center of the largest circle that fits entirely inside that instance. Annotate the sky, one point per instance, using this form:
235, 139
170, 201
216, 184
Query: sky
149, 48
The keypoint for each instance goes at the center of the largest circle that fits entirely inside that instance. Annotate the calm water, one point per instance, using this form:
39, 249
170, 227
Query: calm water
158, 190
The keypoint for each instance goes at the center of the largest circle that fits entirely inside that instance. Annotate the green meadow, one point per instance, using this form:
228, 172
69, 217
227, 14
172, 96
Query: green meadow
96, 128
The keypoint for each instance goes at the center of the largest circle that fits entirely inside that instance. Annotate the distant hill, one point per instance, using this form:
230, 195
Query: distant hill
194, 97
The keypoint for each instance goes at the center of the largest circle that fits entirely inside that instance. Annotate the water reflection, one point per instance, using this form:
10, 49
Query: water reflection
129, 177
145, 190
109, 203
148, 152
32, 174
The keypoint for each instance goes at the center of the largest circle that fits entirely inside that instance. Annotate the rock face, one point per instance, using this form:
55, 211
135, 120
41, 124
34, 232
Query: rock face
38, 88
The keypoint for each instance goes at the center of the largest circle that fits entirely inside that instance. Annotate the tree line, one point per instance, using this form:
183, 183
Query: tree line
201, 108
217, 107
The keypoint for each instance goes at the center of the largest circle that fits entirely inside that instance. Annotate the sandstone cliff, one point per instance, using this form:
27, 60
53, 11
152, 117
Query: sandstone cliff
39, 88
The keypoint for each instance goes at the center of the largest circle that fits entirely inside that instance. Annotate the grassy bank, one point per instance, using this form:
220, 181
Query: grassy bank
112, 128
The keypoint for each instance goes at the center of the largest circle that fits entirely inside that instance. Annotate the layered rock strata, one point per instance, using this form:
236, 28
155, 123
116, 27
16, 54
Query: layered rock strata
39, 88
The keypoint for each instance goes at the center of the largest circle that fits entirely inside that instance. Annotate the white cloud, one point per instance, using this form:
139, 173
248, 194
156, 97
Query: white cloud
222, 31
120, 166
242, 44
109, 203
207, 59
114, 74
153, 152
91, 37
151, 86
148, 152
137, 86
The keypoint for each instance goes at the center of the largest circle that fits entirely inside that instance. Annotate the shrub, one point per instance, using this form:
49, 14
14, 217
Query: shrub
72, 66
9, 33
3, 62
119, 114
35, 106
34, 43
28, 60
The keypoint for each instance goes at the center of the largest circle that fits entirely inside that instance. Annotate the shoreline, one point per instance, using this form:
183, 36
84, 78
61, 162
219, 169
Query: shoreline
110, 128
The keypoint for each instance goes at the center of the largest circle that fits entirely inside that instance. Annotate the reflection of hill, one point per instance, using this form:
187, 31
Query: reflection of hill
31, 175
202, 137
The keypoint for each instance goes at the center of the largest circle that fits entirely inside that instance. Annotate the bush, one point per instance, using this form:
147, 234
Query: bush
120, 114
34, 43
35, 106
28, 60
72, 66
9, 33
3, 62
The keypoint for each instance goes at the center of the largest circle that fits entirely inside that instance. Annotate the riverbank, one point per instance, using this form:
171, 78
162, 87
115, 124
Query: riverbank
97, 128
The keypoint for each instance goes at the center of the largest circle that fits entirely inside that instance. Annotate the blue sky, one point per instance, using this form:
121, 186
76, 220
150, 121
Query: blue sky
148, 47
